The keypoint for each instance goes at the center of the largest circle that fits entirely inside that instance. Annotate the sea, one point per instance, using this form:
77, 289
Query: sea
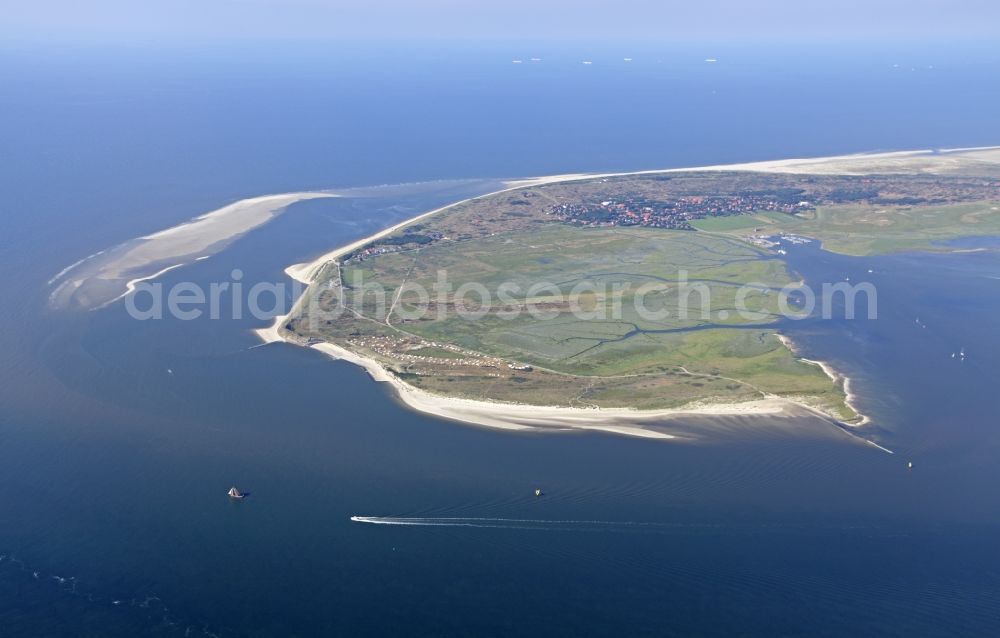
119, 438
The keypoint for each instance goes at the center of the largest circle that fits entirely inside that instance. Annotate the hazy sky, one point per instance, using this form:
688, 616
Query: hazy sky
179, 20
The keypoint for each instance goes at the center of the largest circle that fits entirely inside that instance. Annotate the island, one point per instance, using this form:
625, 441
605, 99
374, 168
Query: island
608, 301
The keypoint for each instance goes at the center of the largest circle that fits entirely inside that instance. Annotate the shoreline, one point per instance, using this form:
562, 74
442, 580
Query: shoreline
130, 286
521, 417
835, 375
304, 272
127, 264
524, 417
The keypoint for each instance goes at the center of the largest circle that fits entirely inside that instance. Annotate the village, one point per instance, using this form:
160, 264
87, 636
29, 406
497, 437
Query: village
413, 350
391, 245
675, 214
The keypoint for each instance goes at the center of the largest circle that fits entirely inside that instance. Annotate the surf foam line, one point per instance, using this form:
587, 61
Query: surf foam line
65, 271
511, 523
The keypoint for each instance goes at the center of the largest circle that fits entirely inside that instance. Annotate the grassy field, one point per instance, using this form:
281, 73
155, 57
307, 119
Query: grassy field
502, 297
761, 221
869, 230
586, 339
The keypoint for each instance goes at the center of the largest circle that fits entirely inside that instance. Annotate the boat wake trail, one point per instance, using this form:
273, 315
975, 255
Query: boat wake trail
510, 523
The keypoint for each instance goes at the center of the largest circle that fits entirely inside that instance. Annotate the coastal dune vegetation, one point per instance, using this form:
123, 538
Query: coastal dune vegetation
696, 250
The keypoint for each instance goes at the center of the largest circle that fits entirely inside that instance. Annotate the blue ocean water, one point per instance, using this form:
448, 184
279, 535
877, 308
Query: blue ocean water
119, 438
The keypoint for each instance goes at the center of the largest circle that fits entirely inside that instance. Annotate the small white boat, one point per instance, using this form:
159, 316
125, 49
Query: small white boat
235, 493
909, 465
538, 492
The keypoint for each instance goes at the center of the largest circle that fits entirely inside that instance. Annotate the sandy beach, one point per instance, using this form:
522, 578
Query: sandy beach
624, 421
110, 275
523, 417
201, 232
836, 376
840, 164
